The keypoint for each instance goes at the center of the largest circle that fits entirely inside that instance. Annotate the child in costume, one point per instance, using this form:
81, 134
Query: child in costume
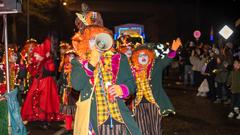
42, 102
69, 95
9, 102
151, 102
108, 75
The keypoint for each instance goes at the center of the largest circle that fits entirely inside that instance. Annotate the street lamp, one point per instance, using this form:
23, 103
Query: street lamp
64, 2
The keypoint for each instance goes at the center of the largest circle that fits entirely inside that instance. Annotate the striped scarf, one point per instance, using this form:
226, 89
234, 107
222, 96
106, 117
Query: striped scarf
102, 77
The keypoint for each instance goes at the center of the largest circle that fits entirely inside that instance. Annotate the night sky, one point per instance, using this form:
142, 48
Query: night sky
163, 20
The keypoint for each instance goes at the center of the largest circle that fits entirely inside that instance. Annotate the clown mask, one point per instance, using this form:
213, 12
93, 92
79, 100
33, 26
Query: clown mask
13, 58
143, 58
128, 52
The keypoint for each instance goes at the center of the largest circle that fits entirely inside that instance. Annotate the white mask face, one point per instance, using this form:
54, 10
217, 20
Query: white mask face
13, 58
143, 58
71, 56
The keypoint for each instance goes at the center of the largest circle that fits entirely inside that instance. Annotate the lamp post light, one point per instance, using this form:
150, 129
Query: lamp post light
226, 32
64, 3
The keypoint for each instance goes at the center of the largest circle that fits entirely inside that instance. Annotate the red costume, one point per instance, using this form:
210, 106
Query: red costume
42, 102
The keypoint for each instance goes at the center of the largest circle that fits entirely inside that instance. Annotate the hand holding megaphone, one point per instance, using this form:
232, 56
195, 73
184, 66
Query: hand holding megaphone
94, 56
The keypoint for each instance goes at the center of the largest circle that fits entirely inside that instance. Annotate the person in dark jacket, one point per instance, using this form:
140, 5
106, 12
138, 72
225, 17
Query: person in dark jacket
233, 80
210, 76
221, 79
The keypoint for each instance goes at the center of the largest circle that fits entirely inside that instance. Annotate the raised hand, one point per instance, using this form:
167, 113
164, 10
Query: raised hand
176, 44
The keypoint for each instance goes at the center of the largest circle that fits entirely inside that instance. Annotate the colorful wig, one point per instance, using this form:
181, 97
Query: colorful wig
149, 52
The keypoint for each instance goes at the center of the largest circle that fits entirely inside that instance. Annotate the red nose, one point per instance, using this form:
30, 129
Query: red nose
144, 60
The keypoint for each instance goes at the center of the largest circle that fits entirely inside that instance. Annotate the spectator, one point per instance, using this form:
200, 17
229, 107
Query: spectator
188, 73
234, 80
221, 79
210, 76
197, 60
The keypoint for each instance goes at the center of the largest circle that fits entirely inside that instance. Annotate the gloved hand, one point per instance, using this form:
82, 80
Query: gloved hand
176, 44
115, 91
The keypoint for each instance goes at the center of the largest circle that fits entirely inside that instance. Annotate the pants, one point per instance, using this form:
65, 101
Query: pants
212, 90
198, 78
188, 74
235, 100
221, 91
149, 119
117, 129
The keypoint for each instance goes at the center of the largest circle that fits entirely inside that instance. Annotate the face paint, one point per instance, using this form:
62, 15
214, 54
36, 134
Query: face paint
143, 58
71, 56
128, 53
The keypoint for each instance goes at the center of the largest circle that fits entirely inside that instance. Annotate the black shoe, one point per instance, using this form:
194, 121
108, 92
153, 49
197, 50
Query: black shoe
44, 127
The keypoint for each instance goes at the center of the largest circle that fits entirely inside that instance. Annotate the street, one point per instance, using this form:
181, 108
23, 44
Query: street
195, 115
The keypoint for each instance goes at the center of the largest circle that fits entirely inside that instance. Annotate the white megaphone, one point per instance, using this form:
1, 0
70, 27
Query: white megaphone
103, 41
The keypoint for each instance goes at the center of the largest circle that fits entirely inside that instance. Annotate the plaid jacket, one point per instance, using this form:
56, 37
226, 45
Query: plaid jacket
143, 88
122, 75
103, 76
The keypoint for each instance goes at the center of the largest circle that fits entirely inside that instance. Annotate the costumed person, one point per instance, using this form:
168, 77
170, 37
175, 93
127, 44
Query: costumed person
10, 99
151, 102
125, 46
63, 48
104, 80
69, 95
26, 65
42, 102
84, 19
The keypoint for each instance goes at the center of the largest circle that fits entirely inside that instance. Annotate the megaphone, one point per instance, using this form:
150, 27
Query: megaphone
103, 41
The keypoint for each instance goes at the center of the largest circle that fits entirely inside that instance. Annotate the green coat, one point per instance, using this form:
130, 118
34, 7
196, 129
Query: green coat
81, 82
156, 85
234, 81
